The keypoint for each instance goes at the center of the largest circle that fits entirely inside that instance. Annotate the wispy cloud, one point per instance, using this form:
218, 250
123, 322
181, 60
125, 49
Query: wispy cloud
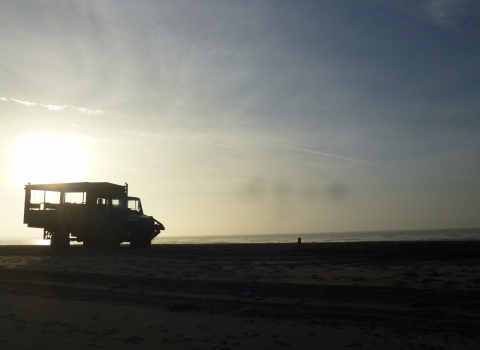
447, 13
25, 103
451, 15
55, 108
193, 138
385, 165
95, 112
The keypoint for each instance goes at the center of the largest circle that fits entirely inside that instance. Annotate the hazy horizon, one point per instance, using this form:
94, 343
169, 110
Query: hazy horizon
247, 117
469, 234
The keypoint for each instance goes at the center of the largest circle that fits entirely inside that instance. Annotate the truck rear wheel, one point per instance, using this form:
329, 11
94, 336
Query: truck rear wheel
60, 240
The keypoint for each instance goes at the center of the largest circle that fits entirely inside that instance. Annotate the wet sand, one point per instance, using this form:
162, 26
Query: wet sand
377, 295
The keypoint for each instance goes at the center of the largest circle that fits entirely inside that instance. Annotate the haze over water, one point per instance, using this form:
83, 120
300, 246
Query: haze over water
377, 236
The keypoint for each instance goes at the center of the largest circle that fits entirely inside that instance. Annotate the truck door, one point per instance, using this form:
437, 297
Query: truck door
101, 213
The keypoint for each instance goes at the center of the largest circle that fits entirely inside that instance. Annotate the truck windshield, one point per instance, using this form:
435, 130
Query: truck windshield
126, 204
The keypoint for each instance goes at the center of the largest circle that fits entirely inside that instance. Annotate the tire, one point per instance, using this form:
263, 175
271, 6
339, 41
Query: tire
141, 242
60, 240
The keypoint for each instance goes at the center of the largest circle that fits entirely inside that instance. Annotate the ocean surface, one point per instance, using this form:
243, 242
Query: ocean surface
411, 235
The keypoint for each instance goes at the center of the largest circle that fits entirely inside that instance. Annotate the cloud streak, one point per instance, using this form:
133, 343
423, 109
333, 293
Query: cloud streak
25, 103
55, 108
384, 165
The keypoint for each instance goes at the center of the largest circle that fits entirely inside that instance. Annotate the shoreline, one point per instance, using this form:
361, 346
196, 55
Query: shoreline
42, 242
309, 237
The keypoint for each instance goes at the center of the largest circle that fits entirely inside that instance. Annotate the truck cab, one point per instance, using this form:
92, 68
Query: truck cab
99, 214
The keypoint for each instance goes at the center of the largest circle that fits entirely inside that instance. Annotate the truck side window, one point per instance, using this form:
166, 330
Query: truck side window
101, 204
118, 204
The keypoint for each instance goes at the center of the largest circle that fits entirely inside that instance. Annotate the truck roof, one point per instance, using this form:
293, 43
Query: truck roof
78, 187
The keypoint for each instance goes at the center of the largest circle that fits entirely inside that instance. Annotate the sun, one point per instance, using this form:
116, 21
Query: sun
49, 159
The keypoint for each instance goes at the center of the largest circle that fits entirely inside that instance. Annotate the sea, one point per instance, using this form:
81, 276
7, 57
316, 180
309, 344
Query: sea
365, 236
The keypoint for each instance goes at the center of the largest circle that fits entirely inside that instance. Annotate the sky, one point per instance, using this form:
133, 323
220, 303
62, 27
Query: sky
247, 117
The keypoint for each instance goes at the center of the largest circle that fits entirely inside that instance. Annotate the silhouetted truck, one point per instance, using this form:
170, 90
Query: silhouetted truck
99, 214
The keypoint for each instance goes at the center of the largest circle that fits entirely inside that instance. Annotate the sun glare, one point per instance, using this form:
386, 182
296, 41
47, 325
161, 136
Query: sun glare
49, 159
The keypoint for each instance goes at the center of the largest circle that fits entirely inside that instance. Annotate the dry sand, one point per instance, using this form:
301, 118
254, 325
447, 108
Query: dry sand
379, 295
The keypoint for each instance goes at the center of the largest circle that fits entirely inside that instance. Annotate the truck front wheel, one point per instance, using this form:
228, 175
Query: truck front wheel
141, 242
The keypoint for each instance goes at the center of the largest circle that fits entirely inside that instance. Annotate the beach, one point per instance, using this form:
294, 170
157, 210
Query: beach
361, 295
